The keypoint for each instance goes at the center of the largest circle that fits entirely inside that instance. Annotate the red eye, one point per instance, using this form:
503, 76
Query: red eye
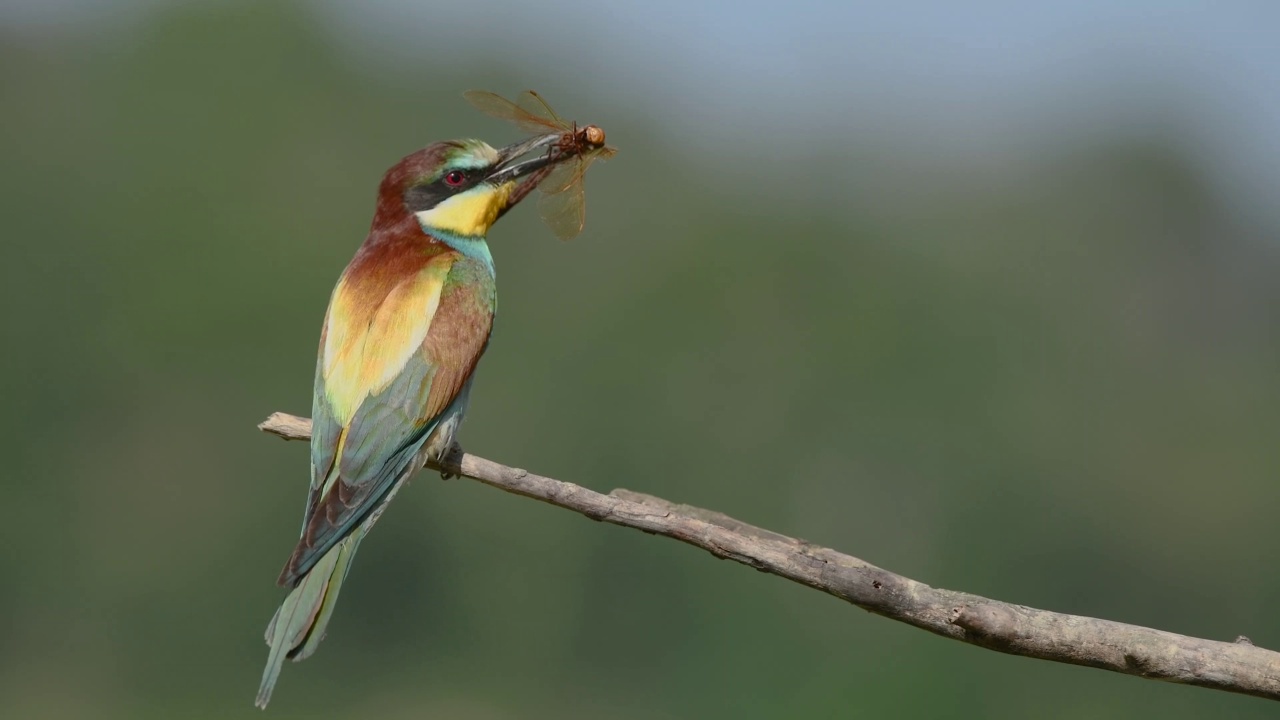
454, 178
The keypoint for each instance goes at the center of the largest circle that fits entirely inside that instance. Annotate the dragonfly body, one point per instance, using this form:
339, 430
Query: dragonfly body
563, 201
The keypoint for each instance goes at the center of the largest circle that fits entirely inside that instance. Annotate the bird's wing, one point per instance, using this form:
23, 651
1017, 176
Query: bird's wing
388, 370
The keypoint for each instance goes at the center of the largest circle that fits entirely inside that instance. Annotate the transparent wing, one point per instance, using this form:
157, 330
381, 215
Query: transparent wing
571, 171
499, 107
563, 204
563, 176
565, 211
533, 103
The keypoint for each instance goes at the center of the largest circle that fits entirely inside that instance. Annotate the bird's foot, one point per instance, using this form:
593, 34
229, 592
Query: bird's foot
452, 455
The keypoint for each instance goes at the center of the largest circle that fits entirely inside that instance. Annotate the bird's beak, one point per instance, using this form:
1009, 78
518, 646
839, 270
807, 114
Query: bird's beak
509, 167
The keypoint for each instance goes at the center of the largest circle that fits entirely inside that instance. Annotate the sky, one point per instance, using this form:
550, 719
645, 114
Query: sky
967, 79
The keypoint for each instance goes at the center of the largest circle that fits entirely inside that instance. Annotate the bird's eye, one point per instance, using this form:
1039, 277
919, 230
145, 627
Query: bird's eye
454, 178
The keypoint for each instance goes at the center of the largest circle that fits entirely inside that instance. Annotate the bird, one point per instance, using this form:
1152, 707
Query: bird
406, 324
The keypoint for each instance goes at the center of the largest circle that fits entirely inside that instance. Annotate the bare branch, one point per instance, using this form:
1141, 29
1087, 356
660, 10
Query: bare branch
1239, 666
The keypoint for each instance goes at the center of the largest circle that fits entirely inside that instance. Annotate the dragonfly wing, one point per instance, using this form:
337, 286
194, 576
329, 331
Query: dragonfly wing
572, 171
565, 211
497, 106
532, 103
563, 176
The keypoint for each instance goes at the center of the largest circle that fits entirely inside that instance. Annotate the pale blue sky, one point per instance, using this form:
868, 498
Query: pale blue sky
943, 77
969, 79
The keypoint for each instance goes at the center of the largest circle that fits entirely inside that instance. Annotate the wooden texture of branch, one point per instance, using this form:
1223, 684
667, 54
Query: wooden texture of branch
1236, 666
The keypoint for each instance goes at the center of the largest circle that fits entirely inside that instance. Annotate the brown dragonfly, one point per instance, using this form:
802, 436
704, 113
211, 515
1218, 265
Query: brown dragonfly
563, 201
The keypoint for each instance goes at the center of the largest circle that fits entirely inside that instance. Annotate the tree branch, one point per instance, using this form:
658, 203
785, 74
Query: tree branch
1238, 667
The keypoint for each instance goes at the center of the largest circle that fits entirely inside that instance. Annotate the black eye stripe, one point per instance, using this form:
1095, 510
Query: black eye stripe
424, 197
427, 195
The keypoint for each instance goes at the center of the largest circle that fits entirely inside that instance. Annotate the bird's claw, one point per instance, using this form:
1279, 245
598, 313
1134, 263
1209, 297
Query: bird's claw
454, 450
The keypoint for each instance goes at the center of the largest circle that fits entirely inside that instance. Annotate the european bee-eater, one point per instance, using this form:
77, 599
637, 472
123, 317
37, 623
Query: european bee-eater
406, 325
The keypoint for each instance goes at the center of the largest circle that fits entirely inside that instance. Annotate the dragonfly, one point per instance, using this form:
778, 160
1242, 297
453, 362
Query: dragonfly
563, 201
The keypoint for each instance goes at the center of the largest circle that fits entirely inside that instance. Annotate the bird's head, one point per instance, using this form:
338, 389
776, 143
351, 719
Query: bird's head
457, 187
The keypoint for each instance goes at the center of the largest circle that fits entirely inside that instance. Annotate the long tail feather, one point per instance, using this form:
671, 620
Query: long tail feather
298, 626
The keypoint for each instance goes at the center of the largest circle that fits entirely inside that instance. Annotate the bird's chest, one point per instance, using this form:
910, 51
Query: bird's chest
473, 288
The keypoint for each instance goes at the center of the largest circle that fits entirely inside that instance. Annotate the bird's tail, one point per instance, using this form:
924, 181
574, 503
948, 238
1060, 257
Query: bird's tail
298, 626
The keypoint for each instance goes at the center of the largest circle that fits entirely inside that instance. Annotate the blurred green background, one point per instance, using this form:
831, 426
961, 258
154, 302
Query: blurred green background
1001, 316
